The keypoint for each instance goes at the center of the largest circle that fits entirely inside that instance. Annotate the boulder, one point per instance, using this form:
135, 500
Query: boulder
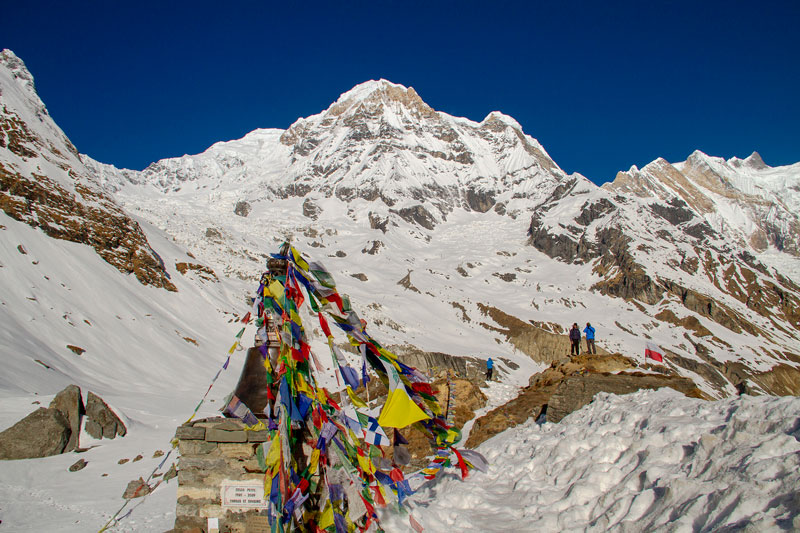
78, 465
242, 208
42, 433
69, 403
136, 489
101, 421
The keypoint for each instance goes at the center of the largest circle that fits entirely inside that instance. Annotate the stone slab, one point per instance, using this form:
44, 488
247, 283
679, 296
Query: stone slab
257, 436
190, 433
217, 435
196, 447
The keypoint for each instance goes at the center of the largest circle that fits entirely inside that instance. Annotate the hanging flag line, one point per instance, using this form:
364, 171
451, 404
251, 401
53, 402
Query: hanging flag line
115, 519
347, 469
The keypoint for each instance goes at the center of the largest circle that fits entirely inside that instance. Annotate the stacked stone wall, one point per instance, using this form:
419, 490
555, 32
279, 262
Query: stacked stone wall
215, 452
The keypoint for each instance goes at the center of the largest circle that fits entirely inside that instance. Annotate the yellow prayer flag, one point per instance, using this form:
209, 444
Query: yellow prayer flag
400, 410
274, 454
233, 348
326, 519
301, 384
298, 260
295, 317
313, 461
276, 290
366, 464
358, 402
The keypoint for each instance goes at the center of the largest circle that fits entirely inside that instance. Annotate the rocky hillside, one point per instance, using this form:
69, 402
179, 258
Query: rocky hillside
702, 241
44, 183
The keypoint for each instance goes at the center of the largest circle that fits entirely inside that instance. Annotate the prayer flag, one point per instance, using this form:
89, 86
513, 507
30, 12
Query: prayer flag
654, 352
399, 410
350, 376
374, 433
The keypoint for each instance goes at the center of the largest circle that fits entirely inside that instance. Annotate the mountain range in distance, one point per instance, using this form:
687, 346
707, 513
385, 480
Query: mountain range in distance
451, 236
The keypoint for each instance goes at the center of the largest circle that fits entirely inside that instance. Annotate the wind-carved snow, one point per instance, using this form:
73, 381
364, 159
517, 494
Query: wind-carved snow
652, 460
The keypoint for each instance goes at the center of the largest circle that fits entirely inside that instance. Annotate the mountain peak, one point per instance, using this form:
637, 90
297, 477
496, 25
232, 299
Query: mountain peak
496, 117
364, 90
379, 92
754, 160
17, 68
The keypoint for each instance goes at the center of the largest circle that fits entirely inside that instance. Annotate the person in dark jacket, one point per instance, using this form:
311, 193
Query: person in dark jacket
575, 338
589, 331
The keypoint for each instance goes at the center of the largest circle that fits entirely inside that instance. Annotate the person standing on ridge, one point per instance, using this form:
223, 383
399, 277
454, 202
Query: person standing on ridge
489, 369
589, 331
575, 338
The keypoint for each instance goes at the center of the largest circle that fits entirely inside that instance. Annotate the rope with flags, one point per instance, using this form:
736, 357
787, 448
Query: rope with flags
115, 518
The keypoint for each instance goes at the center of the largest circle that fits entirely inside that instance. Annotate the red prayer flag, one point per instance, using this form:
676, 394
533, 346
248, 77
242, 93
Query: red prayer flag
461, 464
654, 352
324, 325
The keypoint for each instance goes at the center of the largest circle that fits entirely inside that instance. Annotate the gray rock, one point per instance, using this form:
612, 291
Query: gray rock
136, 489
102, 421
69, 403
242, 208
310, 209
42, 433
78, 465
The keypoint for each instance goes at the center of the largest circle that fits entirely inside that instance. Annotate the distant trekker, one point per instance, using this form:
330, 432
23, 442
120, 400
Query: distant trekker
589, 330
489, 369
575, 337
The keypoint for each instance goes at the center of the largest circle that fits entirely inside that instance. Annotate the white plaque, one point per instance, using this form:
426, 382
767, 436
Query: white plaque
243, 495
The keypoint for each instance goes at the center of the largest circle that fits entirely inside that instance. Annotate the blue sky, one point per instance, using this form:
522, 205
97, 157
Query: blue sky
602, 85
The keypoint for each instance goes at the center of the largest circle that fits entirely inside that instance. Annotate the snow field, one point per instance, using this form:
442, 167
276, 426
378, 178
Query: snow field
648, 461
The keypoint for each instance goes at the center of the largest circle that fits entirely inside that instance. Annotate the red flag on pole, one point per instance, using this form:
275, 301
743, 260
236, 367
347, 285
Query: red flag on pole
654, 352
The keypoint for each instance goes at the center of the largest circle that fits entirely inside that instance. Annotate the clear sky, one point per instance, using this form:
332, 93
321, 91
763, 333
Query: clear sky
602, 85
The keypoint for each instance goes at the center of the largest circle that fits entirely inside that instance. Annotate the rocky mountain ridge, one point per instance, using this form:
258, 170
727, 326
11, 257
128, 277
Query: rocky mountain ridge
44, 183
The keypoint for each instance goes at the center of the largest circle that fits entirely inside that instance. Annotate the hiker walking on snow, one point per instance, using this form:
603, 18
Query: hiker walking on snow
575, 337
589, 330
489, 369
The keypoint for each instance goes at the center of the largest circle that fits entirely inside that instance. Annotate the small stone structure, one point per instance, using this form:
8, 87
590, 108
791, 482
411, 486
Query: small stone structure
219, 477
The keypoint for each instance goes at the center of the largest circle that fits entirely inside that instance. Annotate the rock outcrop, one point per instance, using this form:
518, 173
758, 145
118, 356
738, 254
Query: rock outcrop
102, 422
70, 404
42, 433
568, 385
578, 390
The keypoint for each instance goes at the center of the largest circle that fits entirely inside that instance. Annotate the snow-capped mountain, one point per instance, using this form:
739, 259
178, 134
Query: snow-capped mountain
703, 252
449, 235
45, 184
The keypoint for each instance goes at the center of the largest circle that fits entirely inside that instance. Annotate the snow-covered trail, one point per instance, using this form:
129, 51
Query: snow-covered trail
649, 461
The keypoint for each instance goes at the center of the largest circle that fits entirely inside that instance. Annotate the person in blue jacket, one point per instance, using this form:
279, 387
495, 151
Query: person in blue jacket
489, 369
589, 331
